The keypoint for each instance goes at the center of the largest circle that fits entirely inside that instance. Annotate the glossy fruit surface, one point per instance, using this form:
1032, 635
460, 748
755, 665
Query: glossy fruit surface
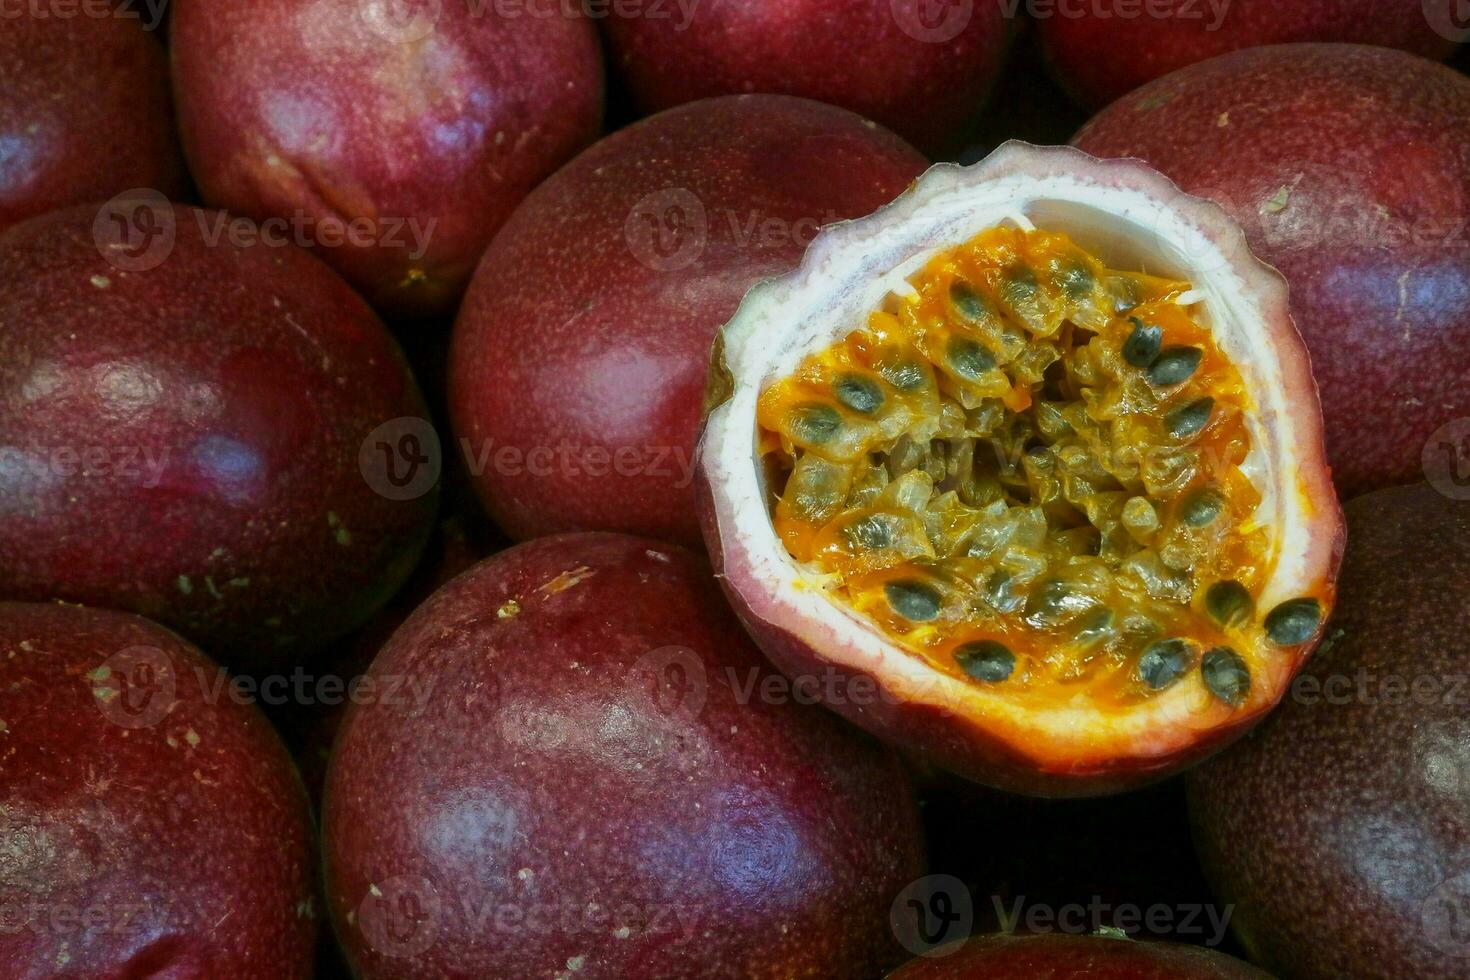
397, 136
605, 774
151, 826
190, 429
1065, 515
1341, 829
1100, 54
580, 356
75, 91
924, 76
1064, 957
1349, 169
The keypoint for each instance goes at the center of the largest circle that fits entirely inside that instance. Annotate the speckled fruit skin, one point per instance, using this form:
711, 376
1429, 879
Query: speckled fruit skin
924, 78
579, 360
183, 442
1349, 168
439, 114
1099, 56
85, 113
148, 828
1341, 830
585, 745
1066, 957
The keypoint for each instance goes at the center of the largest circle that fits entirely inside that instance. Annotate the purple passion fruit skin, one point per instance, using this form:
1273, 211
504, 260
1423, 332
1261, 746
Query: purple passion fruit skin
1066, 957
197, 440
149, 828
591, 739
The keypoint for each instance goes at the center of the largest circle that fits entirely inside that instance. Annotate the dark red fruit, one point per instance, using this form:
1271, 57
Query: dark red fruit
418, 126
1100, 53
1063, 957
198, 440
85, 113
1349, 169
923, 76
149, 829
579, 359
594, 787
1341, 831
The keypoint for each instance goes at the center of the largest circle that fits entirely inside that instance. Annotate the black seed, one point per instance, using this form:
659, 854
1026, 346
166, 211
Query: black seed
1226, 675
969, 304
969, 359
873, 532
1228, 603
1190, 420
912, 600
905, 375
1019, 285
986, 660
815, 424
1294, 621
1202, 508
1075, 279
1143, 344
1163, 663
1174, 365
858, 393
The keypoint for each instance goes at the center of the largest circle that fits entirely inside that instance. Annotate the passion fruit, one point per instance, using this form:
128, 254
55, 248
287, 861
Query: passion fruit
923, 76
147, 827
1100, 53
1036, 450
606, 781
396, 136
75, 91
1005, 957
579, 358
1341, 830
203, 429
1349, 169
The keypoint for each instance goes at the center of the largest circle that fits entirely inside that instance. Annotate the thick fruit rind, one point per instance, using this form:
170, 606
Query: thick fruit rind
846, 273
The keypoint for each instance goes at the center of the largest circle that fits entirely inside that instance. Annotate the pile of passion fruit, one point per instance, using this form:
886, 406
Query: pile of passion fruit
790, 517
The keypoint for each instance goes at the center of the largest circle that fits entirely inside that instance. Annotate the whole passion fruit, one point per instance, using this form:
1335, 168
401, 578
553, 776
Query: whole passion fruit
398, 136
579, 358
924, 74
606, 781
148, 827
85, 112
202, 428
1349, 169
1036, 449
1065, 957
1341, 830
1103, 50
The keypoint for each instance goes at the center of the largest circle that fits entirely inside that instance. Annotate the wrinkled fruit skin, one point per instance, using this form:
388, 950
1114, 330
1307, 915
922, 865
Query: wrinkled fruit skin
925, 79
183, 442
75, 91
587, 746
424, 125
1341, 830
1099, 57
1065, 957
1349, 169
579, 360
139, 814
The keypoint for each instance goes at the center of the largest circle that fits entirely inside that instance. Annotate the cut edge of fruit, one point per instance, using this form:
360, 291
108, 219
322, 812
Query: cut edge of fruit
1131, 216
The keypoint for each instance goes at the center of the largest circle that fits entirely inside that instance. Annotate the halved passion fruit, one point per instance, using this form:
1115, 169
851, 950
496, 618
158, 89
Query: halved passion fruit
1027, 469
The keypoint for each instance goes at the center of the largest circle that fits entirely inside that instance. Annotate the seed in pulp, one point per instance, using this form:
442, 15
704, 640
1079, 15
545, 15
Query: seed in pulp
815, 424
912, 600
969, 359
1201, 508
1294, 621
986, 660
1174, 365
1226, 675
1229, 603
1143, 344
1190, 420
859, 394
969, 304
1163, 663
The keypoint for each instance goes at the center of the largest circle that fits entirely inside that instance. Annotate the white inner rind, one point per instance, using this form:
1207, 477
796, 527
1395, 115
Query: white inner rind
1130, 218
